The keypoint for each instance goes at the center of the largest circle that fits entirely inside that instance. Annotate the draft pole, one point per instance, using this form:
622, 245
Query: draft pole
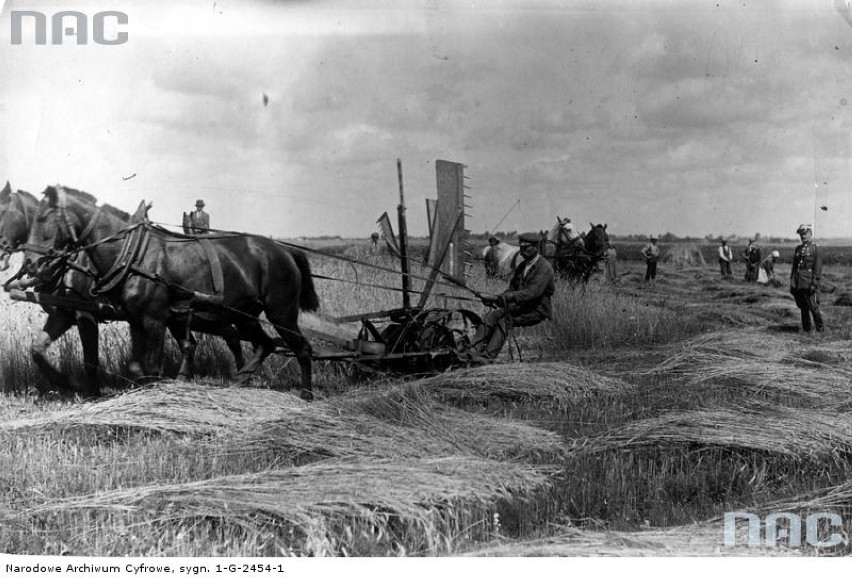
403, 241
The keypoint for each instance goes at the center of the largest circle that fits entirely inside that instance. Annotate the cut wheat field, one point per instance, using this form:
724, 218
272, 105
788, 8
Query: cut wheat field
637, 417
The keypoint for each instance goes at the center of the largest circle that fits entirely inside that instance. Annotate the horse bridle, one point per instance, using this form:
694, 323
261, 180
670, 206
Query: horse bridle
62, 205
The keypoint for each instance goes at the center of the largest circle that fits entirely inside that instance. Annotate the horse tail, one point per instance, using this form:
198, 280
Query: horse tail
308, 299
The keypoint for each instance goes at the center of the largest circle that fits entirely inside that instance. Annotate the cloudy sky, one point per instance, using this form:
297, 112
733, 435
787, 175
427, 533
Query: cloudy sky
698, 117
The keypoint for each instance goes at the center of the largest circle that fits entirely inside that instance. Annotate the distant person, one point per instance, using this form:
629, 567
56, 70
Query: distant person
492, 258
651, 252
199, 220
752, 257
805, 278
610, 260
766, 274
374, 243
725, 256
525, 303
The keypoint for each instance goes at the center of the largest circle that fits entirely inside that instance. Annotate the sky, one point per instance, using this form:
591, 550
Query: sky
691, 117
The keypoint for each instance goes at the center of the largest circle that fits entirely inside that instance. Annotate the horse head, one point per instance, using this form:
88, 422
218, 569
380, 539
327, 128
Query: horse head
16, 217
65, 221
597, 239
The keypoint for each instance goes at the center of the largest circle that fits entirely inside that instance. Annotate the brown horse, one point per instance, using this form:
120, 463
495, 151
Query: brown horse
162, 280
16, 220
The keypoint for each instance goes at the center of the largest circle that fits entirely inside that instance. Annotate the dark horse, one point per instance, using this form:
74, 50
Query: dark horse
162, 280
576, 259
17, 215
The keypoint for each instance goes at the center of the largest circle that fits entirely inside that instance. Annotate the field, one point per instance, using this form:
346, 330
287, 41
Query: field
637, 417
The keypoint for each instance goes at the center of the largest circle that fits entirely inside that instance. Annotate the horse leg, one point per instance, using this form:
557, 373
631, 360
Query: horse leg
263, 346
54, 328
187, 343
285, 322
138, 346
87, 328
232, 340
155, 334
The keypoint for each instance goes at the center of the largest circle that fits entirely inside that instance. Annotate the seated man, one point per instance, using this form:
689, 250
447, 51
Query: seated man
525, 303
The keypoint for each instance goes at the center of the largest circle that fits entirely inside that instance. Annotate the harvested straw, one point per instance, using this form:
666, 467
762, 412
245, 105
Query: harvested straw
557, 383
171, 407
758, 363
692, 540
795, 434
422, 493
400, 423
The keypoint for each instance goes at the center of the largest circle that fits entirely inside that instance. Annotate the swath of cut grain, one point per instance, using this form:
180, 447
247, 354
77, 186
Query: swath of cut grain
559, 383
758, 363
171, 407
421, 493
399, 423
796, 434
693, 540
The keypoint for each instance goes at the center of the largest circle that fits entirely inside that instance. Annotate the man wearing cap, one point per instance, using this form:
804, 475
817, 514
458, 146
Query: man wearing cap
805, 277
651, 252
525, 303
199, 219
725, 256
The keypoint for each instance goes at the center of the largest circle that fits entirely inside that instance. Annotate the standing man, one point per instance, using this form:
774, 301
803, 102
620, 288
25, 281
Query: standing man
805, 277
525, 303
199, 219
610, 260
752, 258
725, 256
651, 252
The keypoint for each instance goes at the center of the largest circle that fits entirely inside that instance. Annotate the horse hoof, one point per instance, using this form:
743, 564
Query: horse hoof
307, 395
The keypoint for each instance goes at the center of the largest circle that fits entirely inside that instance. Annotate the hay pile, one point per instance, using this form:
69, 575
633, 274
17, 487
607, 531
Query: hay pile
798, 435
169, 407
558, 383
426, 494
692, 540
683, 256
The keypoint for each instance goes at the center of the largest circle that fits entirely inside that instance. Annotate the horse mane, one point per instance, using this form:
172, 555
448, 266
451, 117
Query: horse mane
29, 196
89, 198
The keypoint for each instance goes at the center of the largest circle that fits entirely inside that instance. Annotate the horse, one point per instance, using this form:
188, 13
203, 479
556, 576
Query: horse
576, 259
15, 224
213, 284
500, 259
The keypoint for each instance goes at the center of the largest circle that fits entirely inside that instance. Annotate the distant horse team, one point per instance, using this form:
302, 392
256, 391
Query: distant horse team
573, 258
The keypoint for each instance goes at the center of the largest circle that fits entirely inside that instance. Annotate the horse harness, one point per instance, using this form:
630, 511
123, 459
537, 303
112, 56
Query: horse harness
137, 238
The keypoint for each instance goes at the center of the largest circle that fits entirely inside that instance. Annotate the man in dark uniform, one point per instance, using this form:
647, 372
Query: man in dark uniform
525, 303
805, 277
200, 219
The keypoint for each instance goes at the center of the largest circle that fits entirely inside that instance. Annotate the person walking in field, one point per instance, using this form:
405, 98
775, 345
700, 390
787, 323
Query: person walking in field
805, 278
725, 257
651, 252
525, 303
